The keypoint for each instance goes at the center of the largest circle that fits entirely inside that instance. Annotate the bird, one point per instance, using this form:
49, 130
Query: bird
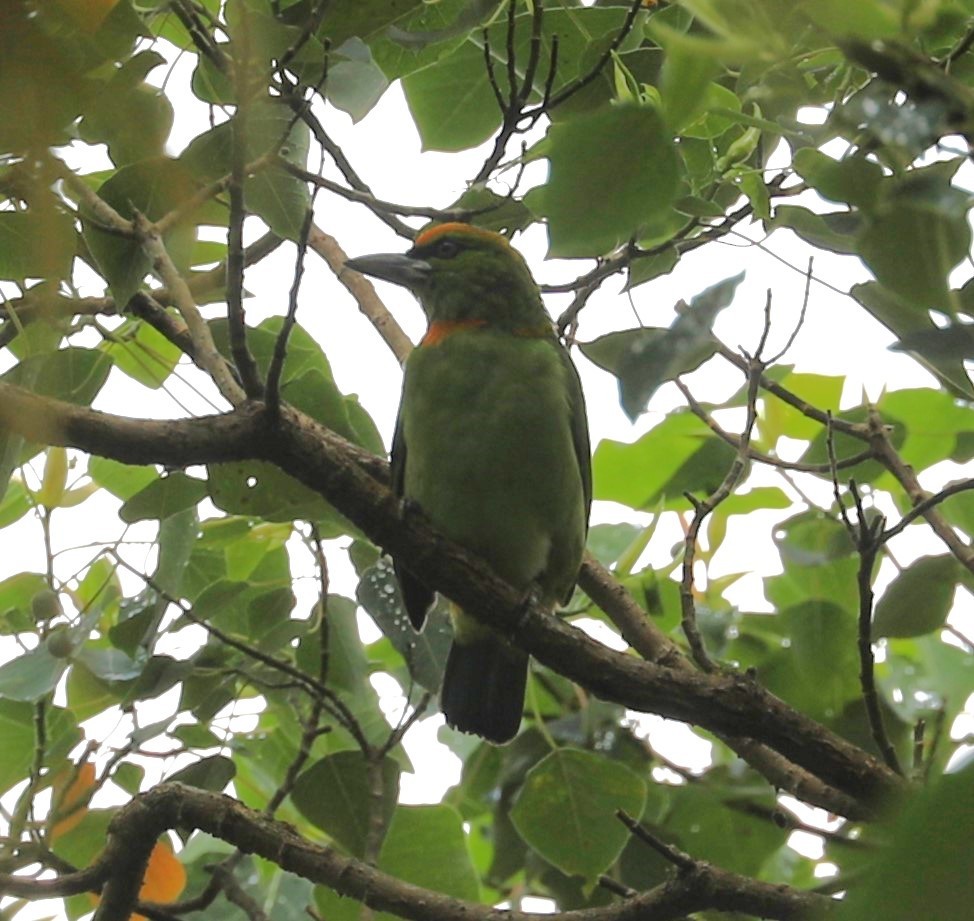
491, 443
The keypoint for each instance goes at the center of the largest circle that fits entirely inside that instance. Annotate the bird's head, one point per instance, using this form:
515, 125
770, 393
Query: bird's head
460, 272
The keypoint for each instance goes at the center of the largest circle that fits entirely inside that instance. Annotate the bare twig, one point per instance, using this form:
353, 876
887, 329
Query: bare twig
680, 859
924, 505
243, 359
512, 108
272, 390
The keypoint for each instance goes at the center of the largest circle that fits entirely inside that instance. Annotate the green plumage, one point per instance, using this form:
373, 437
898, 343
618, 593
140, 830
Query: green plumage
492, 444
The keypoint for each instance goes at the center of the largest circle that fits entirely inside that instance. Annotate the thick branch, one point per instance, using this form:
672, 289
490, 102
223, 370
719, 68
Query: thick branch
729, 704
138, 824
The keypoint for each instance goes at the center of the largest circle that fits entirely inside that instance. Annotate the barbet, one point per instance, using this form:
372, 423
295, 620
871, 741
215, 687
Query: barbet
492, 444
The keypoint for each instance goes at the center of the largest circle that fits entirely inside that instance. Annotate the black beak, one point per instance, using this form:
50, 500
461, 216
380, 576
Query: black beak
395, 267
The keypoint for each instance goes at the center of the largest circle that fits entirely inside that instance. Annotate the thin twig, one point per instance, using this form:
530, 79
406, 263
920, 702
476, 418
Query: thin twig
680, 859
923, 506
869, 546
243, 359
734, 441
272, 387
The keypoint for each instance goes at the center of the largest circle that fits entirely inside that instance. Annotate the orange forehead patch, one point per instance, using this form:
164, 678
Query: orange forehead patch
451, 227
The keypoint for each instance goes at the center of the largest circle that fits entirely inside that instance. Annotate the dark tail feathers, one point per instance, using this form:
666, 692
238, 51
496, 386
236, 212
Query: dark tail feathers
483, 688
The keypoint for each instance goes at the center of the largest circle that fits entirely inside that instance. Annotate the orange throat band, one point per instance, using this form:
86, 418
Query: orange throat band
437, 332
443, 329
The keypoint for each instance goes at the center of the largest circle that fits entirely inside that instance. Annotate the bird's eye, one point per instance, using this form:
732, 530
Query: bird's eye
447, 249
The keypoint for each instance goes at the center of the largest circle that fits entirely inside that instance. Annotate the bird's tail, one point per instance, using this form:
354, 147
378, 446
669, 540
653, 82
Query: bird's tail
483, 687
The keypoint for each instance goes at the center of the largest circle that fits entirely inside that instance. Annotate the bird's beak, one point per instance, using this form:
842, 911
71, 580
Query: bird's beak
395, 267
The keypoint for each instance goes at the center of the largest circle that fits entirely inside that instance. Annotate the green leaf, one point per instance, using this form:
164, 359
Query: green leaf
811, 538
37, 243
932, 678
14, 504
834, 231
684, 81
121, 480
870, 19
347, 663
16, 595
712, 822
335, 794
306, 380
854, 181
613, 176
931, 421
110, 664
273, 194
780, 419
919, 599
73, 374
163, 497
143, 353
913, 249
451, 102
924, 869
355, 84
566, 810
449, 93
643, 270
425, 652
260, 490
100, 590
31, 676
823, 646
365, 19
212, 773
154, 187
677, 455
426, 846
134, 121
904, 319
953, 342
607, 542
644, 359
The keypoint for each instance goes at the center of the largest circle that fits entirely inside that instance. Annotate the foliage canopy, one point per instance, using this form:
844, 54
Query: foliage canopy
662, 127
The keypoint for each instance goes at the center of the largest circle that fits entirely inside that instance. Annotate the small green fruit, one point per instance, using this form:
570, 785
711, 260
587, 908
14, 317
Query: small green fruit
59, 642
45, 605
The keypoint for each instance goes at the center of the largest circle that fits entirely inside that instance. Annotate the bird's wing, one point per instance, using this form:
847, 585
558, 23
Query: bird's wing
583, 450
417, 597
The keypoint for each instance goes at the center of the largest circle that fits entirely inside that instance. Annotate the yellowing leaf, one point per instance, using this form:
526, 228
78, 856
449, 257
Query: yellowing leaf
165, 876
71, 789
55, 477
164, 880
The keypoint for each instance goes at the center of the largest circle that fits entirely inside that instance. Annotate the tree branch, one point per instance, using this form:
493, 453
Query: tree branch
345, 475
363, 291
138, 824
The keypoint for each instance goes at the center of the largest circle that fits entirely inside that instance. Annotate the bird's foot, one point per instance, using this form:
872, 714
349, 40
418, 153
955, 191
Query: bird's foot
409, 507
529, 600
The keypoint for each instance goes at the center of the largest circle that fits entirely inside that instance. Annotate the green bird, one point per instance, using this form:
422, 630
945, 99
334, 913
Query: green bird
492, 444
